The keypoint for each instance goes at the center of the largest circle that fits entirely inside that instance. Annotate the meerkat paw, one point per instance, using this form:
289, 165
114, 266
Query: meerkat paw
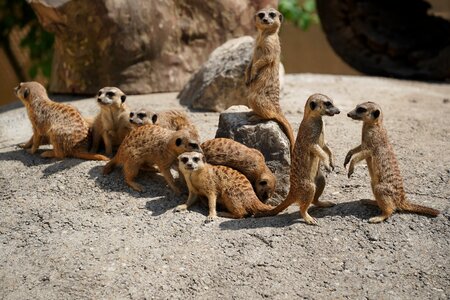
181, 208
24, 146
136, 186
328, 166
324, 204
210, 218
377, 219
350, 171
310, 220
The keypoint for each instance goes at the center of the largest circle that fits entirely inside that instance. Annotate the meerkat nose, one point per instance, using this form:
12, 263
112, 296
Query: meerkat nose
348, 115
99, 100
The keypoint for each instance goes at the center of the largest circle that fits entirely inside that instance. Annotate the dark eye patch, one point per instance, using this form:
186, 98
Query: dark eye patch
110, 94
184, 159
99, 94
328, 104
141, 115
261, 15
272, 15
196, 159
131, 114
361, 110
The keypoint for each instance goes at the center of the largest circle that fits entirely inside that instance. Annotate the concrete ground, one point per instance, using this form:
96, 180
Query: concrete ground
67, 231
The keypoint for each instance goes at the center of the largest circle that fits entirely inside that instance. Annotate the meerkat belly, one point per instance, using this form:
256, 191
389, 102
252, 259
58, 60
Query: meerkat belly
314, 167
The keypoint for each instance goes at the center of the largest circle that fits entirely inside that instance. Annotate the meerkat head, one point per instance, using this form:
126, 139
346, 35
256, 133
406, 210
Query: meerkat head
26, 90
142, 117
265, 186
183, 141
268, 18
368, 112
111, 97
191, 161
320, 105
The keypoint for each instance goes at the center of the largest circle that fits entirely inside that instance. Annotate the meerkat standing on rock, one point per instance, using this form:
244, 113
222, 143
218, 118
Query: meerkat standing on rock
262, 74
250, 162
386, 179
112, 123
307, 181
60, 124
219, 184
151, 145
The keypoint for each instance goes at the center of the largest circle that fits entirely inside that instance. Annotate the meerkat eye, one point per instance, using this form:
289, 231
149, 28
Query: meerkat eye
361, 110
196, 159
263, 183
184, 160
272, 15
131, 114
110, 94
99, 94
141, 115
261, 15
328, 104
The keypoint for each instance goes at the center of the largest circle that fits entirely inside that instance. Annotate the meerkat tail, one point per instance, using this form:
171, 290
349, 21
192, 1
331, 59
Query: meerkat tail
260, 207
89, 156
109, 167
290, 199
419, 209
287, 129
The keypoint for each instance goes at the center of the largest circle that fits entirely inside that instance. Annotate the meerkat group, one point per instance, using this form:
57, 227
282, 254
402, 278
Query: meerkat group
224, 171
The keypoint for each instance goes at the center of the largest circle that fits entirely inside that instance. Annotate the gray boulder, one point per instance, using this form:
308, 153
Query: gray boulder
220, 82
267, 137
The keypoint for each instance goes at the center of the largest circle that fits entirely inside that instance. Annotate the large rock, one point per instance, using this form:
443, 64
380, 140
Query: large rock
140, 46
220, 82
266, 136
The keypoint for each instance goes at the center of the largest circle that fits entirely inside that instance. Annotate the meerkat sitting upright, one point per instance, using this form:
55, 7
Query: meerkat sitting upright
59, 124
386, 179
220, 184
307, 181
149, 145
112, 123
262, 74
250, 162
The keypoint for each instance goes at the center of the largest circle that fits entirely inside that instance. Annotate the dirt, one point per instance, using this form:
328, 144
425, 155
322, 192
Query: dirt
68, 232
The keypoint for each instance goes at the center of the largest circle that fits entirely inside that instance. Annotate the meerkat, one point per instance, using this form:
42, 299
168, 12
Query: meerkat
250, 162
220, 184
262, 74
141, 117
386, 179
307, 181
58, 124
149, 145
112, 122
175, 120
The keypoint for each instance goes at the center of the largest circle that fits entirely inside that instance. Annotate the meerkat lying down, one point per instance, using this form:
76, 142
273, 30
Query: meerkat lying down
221, 185
377, 151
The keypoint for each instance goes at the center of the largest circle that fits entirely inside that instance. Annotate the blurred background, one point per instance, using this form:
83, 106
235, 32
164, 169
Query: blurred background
27, 50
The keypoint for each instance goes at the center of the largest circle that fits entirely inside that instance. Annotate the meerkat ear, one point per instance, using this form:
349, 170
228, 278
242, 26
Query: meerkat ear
312, 105
281, 17
26, 93
178, 142
376, 113
123, 97
154, 118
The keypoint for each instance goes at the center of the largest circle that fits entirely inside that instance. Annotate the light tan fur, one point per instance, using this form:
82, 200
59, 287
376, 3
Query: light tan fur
262, 74
377, 151
141, 117
111, 125
220, 184
307, 182
250, 162
150, 145
59, 124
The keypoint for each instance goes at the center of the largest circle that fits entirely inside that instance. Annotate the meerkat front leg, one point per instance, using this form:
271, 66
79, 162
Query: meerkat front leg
212, 201
95, 141
356, 158
318, 151
35, 144
28, 144
169, 179
350, 154
192, 198
330, 155
248, 76
258, 66
108, 142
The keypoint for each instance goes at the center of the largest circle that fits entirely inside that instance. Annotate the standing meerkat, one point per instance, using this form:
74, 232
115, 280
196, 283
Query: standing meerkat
386, 179
57, 123
307, 181
220, 184
262, 74
250, 162
150, 145
112, 122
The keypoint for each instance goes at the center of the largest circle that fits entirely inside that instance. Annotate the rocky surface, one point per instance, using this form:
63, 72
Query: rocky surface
67, 231
140, 46
220, 82
267, 137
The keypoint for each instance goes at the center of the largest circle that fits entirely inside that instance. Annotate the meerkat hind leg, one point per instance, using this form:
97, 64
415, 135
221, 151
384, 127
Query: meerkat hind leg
130, 172
320, 186
305, 202
385, 203
369, 202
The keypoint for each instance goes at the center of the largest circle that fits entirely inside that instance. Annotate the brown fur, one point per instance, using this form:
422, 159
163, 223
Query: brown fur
149, 145
262, 74
248, 161
219, 184
59, 124
176, 120
111, 125
307, 182
377, 151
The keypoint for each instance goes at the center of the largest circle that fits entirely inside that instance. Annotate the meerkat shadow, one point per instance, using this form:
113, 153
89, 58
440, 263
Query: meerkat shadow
281, 220
27, 159
354, 208
60, 165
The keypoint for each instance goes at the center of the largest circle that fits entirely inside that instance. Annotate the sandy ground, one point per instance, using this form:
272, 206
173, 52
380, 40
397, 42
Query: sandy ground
67, 231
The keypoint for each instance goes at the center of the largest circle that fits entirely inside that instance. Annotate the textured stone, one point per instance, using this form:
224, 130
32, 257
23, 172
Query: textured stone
265, 136
220, 82
140, 46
